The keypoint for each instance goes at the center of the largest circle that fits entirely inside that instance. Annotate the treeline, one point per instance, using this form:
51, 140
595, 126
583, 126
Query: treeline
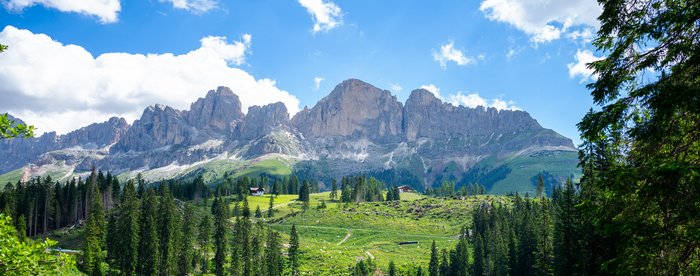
361, 189
539, 236
41, 204
153, 233
447, 189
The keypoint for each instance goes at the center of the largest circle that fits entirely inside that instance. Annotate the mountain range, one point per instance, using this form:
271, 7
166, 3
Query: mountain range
356, 129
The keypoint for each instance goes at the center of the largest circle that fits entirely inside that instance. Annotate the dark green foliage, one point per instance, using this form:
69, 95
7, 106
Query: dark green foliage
220, 213
169, 225
204, 240
364, 268
274, 264
186, 253
484, 175
258, 213
641, 151
95, 229
434, 265
270, 208
293, 252
392, 269
334, 190
149, 243
128, 230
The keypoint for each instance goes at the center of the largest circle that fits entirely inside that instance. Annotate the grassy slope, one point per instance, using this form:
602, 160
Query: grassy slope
270, 166
561, 163
376, 229
11, 177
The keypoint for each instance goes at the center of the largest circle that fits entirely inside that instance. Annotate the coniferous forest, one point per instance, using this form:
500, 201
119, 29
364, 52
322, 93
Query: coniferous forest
635, 210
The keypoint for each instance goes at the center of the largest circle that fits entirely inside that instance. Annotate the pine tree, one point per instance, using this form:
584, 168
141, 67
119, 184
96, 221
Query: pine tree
392, 269
274, 264
187, 243
540, 185
434, 265
128, 225
168, 231
334, 190
149, 249
444, 264
271, 208
566, 244
204, 238
94, 231
244, 239
220, 240
293, 251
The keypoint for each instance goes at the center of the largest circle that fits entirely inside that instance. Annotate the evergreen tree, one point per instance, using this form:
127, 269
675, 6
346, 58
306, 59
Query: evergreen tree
434, 265
293, 253
271, 207
128, 233
566, 245
392, 269
444, 264
540, 185
204, 239
94, 231
220, 212
187, 243
334, 190
169, 225
274, 264
149, 244
258, 213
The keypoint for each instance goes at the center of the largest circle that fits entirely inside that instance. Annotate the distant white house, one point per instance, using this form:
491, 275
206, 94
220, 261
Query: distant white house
405, 189
257, 191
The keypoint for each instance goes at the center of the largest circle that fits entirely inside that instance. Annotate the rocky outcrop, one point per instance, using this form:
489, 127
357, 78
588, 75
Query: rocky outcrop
354, 109
159, 126
261, 121
218, 112
97, 135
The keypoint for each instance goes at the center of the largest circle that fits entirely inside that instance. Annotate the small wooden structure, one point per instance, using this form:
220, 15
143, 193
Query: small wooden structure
257, 191
405, 189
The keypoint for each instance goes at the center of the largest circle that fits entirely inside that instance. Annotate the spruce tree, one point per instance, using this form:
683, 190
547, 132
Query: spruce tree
392, 269
149, 244
334, 190
204, 239
220, 217
258, 213
94, 230
169, 231
271, 209
128, 229
293, 251
444, 264
187, 243
434, 265
274, 264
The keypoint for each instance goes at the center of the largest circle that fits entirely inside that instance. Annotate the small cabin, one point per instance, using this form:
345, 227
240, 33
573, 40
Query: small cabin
257, 191
405, 189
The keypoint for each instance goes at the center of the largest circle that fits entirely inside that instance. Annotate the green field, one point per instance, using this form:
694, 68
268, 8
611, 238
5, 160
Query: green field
341, 234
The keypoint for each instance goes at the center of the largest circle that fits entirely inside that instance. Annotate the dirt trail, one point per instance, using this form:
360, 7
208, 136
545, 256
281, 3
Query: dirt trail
346, 237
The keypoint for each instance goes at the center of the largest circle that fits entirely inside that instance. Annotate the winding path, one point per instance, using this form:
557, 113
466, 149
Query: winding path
346, 236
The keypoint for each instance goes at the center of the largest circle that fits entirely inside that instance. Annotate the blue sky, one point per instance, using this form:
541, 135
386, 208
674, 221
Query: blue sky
115, 58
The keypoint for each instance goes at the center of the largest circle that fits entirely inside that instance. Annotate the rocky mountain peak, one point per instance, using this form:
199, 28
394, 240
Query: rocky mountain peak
262, 120
353, 109
422, 97
216, 111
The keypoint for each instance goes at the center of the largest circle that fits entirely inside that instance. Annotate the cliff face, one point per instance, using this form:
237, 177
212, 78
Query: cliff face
356, 128
354, 109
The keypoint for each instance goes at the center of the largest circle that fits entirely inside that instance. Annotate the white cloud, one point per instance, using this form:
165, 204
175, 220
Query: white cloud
59, 87
545, 20
326, 15
395, 87
433, 89
473, 100
579, 67
317, 82
449, 53
195, 6
105, 10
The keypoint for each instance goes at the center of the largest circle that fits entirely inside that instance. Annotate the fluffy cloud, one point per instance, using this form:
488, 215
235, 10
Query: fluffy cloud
195, 6
579, 67
545, 21
433, 89
449, 53
317, 82
326, 15
473, 100
105, 10
61, 87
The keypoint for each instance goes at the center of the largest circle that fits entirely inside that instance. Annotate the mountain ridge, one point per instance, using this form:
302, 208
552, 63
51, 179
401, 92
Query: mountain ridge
356, 128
